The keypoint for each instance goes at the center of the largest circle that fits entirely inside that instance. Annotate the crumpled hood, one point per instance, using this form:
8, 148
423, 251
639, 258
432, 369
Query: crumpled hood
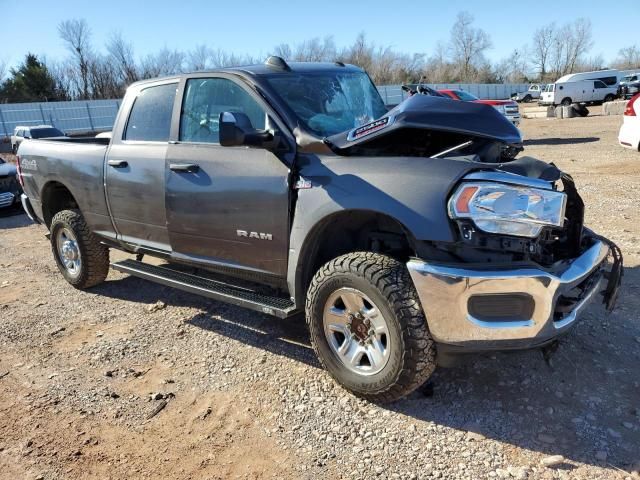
437, 114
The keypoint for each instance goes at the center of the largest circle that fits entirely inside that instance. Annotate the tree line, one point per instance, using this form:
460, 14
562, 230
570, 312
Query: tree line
90, 73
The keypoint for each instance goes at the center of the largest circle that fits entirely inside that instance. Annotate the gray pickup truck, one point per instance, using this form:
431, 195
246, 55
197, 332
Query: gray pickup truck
290, 188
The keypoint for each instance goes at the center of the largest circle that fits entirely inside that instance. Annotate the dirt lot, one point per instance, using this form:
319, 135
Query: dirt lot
111, 384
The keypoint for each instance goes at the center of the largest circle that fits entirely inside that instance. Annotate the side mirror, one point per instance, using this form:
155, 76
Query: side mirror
236, 130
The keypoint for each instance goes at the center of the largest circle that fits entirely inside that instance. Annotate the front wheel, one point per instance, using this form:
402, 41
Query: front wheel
81, 258
367, 326
527, 99
609, 98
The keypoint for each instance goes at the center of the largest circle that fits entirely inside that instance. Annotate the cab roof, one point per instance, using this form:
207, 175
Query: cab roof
273, 65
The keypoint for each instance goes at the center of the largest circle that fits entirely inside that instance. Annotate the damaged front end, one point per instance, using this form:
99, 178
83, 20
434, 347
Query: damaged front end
427, 126
522, 266
502, 290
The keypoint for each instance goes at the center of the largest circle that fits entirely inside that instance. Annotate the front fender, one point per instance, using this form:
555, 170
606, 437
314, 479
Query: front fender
411, 190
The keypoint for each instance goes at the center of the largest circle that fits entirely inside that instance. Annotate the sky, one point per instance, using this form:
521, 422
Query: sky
255, 27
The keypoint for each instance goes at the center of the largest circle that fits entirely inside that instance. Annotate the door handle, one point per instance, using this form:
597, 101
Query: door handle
184, 167
118, 163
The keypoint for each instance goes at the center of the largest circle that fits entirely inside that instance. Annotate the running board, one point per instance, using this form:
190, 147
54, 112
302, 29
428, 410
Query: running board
244, 297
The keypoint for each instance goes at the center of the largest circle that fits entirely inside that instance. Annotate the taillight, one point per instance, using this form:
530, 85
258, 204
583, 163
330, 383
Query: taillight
20, 179
630, 110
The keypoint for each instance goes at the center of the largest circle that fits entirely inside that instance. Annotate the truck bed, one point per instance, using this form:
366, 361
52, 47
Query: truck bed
78, 164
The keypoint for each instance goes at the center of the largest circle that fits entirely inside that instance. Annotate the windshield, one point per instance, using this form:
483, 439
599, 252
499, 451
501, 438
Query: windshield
46, 132
330, 102
465, 97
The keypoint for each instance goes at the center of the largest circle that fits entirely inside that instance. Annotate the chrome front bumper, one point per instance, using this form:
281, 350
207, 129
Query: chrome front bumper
446, 294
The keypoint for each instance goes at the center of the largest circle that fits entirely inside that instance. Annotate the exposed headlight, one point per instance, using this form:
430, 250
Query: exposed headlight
500, 108
508, 209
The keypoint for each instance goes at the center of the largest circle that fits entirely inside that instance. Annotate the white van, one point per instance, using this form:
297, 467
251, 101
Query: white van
582, 91
610, 77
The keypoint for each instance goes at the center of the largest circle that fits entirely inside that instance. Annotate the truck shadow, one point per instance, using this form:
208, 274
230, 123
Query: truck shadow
583, 405
13, 217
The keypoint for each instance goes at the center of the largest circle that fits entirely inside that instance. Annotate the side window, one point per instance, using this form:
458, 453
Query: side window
205, 99
150, 117
599, 84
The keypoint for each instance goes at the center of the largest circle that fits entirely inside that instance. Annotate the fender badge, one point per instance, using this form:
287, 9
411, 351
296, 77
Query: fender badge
302, 184
369, 128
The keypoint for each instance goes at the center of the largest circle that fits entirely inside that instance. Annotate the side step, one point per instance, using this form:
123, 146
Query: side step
244, 297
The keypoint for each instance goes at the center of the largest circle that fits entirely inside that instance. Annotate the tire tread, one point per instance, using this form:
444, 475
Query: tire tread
392, 278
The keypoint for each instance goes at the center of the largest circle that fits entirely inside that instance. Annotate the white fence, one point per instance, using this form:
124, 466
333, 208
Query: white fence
71, 117
393, 94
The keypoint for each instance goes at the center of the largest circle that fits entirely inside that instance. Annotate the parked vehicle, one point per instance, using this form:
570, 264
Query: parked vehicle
610, 77
631, 78
41, 131
629, 89
629, 135
582, 91
289, 188
533, 93
508, 108
10, 190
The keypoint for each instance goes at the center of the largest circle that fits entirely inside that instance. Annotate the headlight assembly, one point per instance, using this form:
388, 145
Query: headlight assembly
508, 209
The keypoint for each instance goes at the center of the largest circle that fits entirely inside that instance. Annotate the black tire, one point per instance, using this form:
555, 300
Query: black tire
387, 283
609, 98
14, 149
566, 102
94, 257
526, 99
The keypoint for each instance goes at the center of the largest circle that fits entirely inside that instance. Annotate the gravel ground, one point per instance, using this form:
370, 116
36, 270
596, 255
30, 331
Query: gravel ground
135, 380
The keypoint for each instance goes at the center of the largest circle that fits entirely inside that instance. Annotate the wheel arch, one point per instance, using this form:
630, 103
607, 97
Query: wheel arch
342, 232
55, 197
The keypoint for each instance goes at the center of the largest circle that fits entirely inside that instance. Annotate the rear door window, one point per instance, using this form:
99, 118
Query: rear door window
150, 117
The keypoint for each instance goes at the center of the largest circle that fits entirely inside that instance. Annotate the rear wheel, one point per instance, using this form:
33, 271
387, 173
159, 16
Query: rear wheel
566, 102
81, 258
609, 98
367, 326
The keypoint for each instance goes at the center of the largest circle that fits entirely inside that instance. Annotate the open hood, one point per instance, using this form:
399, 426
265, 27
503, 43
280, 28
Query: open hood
435, 114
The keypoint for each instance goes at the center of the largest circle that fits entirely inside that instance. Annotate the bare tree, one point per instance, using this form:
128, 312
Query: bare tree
580, 42
628, 57
165, 62
121, 53
571, 42
543, 44
361, 53
200, 58
468, 45
313, 50
76, 34
514, 68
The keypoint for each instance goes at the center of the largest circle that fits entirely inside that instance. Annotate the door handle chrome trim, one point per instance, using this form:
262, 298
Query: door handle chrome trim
184, 167
118, 163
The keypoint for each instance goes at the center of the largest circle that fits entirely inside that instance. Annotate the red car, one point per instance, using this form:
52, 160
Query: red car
508, 108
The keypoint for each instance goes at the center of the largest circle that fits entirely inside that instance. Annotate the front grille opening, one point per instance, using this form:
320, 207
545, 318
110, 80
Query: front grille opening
504, 307
568, 301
